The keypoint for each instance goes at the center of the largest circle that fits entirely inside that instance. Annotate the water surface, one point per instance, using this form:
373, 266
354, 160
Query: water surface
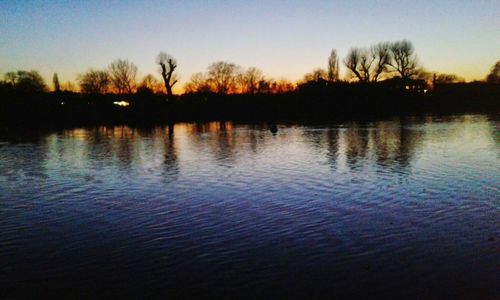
402, 208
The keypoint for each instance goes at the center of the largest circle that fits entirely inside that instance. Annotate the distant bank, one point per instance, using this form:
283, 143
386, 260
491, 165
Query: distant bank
314, 102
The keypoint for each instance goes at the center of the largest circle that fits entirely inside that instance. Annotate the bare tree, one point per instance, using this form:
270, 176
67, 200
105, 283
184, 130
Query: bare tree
333, 66
369, 65
222, 77
249, 80
150, 84
94, 82
198, 83
353, 61
404, 59
359, 62
168, 65
365, 65
494, 75
123, 76
381, 54
55, 82
316, 75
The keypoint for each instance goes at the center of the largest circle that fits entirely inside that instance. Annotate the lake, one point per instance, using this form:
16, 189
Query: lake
401, 208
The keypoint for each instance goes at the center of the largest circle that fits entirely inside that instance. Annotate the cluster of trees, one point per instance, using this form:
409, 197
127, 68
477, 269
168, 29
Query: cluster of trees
32, 82
228, 78
376, 63
373, 64
121, 78
379, 62
25, 81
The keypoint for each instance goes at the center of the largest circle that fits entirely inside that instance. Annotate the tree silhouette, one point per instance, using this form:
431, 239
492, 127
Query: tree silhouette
68, 87
26, 81
123, 76
227, 78
11, 78
365, 65
149, 84
265, 86
55, 82
197, 84
273, 86
404, 59
249, 80
316, 75
168, 65
333, 66
94, 82
368, 65
494, 75
446, 78
381, 54
282, 86
353, 62
222, 77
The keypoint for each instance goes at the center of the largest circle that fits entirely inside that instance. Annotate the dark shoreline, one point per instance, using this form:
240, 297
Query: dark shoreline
312, 104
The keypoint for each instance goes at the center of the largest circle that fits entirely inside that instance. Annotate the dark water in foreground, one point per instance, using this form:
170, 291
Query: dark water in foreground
399, 209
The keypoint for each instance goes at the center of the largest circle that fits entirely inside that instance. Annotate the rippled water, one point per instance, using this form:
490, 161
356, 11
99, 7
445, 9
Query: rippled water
399, 208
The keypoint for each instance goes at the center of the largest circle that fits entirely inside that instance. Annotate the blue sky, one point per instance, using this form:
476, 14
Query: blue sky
283, 38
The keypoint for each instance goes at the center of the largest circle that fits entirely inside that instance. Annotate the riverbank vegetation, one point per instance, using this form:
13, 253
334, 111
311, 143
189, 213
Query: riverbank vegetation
383, 79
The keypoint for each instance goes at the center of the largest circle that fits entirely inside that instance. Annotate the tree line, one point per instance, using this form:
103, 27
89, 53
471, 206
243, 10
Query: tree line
379, 62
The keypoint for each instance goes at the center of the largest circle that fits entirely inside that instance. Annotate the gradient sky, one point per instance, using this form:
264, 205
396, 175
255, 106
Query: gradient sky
282, 38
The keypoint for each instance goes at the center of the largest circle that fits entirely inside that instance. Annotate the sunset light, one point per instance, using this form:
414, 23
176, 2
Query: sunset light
282, 39
238, 149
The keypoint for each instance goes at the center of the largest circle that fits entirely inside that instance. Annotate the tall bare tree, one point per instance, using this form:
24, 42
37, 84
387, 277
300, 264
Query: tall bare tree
365, 65
168, 65
404, 59
94, 82
352, 62
381, 54
369, 65
123, 76
333, 66
222, 77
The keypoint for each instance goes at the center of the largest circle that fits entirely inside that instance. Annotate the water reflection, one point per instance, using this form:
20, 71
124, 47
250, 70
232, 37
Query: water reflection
170, 162
332, 146
355, 140
389, 144
372, 204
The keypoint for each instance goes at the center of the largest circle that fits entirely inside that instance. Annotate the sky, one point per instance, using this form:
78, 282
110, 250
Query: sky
285, 39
